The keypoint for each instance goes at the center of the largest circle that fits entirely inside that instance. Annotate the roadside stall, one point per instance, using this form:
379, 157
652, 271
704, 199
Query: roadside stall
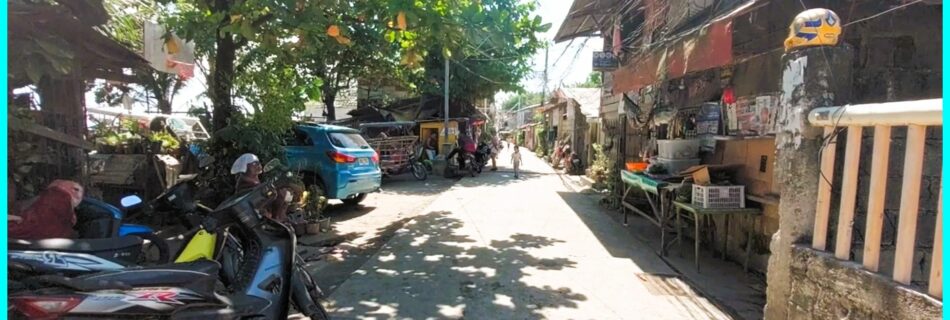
437, 126
398, 147
142, 153
679, 181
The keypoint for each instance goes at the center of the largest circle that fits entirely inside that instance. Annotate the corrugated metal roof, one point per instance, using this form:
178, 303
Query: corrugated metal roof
585, 18
587, 98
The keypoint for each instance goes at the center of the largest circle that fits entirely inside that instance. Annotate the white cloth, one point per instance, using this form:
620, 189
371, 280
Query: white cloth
240, 165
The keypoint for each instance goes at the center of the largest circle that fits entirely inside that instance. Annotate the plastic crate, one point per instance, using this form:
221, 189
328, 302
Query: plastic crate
678, 149
718, 197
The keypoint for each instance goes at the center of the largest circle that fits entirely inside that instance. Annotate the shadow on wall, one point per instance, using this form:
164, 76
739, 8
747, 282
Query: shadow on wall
470, 285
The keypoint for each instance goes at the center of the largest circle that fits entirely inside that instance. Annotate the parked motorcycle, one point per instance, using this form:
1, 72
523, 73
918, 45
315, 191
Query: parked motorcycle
105, 244
187, 290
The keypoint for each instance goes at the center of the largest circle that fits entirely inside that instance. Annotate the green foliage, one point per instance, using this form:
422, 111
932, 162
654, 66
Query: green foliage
39, 55
521, 100
489, 43
168, 141
593, 81
540, 132
599, 167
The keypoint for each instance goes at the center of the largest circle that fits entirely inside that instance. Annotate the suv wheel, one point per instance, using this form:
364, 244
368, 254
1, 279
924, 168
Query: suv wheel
355, 200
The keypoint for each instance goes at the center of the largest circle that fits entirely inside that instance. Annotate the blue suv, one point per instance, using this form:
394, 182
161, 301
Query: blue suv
334, 159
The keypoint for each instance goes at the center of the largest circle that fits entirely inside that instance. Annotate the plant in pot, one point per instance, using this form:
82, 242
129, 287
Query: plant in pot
314, 206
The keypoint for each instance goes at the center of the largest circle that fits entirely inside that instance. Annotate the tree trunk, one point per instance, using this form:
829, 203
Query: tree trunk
164, 106
222, 75
330, 101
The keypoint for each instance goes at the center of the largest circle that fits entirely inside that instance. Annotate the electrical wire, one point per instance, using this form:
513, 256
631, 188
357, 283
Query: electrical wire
883, 12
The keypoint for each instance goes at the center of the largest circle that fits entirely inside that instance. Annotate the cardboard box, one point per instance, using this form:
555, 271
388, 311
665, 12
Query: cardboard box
702, 174
758, 159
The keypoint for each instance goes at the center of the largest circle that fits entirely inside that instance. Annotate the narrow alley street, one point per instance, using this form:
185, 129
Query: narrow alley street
494, 247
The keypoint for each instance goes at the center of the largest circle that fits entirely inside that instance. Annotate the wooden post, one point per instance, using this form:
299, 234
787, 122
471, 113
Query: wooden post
849, 191
819, 240
876, 195
936, 264
910, 204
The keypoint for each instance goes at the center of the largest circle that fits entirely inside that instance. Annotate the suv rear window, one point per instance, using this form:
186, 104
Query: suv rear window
347, 140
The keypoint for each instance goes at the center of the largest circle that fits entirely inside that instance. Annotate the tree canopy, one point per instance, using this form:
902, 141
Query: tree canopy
521, 100
593, 81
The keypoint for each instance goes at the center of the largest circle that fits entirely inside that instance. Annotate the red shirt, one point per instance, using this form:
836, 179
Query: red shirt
51, 216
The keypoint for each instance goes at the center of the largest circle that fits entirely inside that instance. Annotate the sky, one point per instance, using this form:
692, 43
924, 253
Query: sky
568, 62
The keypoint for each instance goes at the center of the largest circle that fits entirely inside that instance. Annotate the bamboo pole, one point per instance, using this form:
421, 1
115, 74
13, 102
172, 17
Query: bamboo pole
876, 196
820, 238
936, 264
910, 204
849, 191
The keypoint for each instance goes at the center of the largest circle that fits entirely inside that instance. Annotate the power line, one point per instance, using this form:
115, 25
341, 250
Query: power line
883, 12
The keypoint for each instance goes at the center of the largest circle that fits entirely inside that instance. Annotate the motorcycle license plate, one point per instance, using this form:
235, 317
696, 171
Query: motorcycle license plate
364, 161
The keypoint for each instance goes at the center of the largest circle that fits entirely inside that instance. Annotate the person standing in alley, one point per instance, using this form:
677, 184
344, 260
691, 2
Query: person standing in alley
516, 159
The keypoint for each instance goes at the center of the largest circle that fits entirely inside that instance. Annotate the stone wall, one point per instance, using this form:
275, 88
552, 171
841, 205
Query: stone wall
823, 287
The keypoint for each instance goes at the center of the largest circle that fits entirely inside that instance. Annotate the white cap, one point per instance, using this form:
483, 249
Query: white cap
240, 165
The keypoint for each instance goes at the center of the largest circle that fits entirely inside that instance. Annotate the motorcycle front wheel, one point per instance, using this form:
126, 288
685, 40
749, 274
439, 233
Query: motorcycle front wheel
305, 294
419, 171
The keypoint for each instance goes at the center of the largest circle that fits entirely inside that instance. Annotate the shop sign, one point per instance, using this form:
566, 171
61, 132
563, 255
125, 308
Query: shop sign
605, 61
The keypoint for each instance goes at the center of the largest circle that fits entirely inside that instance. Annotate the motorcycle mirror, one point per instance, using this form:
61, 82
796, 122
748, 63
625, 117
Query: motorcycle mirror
271, 165
130, 201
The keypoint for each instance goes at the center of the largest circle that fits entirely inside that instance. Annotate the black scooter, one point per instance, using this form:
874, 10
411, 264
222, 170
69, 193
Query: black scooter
267, 276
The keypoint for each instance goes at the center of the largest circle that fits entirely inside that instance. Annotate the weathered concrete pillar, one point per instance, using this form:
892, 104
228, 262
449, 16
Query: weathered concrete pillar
812, 78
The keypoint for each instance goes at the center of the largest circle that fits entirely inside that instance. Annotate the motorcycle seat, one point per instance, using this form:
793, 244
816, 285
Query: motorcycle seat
75, 245
166, 274
199, 276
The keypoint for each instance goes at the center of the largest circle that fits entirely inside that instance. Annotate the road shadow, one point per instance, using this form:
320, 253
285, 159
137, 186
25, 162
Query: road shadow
724, 284
430, 270
406, 184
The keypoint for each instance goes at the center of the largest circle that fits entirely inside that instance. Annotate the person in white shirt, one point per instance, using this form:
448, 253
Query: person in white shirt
516, 159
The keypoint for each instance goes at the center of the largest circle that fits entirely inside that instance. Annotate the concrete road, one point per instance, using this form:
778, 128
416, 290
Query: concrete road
495, 247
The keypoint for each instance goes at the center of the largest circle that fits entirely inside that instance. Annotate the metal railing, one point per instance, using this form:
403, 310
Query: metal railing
916, 116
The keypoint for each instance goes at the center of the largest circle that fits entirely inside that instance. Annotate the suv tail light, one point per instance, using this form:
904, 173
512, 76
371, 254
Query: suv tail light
44, 307
339, 157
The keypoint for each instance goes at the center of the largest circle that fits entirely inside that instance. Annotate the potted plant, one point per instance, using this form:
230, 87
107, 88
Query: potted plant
316, 221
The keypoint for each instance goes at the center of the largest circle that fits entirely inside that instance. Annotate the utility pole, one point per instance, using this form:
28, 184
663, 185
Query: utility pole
544, 86
445, 125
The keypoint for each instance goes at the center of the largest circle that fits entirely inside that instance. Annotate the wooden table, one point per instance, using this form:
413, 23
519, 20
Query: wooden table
658, 193
698, 212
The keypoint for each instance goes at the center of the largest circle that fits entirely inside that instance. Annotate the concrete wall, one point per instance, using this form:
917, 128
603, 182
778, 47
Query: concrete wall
812, 78
823, 287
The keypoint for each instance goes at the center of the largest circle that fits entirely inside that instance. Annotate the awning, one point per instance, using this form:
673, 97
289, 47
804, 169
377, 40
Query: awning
703, 48
586, 18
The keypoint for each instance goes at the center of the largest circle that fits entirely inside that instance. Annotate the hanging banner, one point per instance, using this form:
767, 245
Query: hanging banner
167, 53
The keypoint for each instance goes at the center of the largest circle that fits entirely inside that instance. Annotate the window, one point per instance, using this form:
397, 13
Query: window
298, 138
347, 140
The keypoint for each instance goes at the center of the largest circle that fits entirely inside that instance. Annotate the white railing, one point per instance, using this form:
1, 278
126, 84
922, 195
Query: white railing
917, 116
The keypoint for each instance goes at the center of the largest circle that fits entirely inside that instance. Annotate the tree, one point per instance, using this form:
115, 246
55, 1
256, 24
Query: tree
593, 81
126, 25
488, 43
354, 47
521, 100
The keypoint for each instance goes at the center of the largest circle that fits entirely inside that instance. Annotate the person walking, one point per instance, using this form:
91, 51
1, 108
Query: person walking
495, 149
516, 159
